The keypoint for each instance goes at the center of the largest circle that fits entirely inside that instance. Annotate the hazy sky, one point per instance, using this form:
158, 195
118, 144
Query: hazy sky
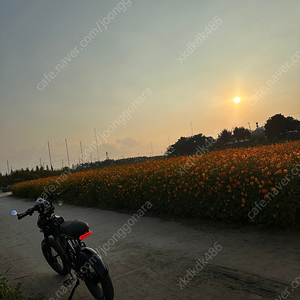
194, 56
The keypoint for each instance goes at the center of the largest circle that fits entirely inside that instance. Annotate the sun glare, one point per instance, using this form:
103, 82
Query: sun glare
237, 99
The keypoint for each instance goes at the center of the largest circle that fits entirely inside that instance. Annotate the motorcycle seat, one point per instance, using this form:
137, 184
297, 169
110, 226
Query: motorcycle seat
74, 229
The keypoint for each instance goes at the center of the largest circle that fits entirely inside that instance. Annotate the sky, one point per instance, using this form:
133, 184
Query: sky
140, 73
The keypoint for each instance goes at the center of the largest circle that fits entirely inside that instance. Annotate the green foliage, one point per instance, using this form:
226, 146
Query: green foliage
225, 136
188, 145
9, 293
278, 126
25, 175
241, 133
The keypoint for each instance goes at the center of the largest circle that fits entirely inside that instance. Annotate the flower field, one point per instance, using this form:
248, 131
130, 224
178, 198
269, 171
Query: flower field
256, 185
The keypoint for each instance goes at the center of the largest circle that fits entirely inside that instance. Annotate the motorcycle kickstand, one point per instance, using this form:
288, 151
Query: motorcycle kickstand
68, 283
72, 293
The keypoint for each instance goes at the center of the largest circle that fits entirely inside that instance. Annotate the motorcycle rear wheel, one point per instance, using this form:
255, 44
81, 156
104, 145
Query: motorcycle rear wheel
56, 260
102, 290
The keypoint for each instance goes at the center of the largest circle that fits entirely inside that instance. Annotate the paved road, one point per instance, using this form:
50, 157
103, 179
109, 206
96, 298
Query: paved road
148, 258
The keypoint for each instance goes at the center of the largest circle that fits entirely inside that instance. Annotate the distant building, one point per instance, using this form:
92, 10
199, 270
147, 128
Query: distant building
258, 130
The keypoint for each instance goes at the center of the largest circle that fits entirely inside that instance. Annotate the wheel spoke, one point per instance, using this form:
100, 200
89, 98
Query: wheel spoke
55, 258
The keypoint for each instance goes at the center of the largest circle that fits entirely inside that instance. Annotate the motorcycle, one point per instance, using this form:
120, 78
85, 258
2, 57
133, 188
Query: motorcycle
64, 249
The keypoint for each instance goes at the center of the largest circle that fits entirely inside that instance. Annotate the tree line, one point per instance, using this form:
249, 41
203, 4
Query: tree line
41, 172
278, 128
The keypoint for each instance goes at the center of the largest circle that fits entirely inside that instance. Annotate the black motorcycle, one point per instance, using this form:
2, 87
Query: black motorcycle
64, 249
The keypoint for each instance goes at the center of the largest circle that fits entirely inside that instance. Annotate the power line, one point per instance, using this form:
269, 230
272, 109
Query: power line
297, 113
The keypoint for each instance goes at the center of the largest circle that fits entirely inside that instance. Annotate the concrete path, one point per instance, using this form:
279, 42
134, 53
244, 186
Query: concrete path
154, 259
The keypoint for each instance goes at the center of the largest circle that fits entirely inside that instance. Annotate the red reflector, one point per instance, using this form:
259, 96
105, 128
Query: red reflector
85, 235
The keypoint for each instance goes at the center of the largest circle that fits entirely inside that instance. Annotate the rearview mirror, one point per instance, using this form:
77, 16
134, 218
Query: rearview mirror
13, 212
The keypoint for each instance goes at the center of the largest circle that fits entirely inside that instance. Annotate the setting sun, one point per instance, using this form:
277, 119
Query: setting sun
237, 99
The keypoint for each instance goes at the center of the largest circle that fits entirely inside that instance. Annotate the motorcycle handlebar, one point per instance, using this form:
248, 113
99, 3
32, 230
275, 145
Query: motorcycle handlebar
29, 211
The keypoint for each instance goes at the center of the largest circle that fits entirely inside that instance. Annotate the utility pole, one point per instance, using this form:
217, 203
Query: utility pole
67, 153
7, 168
81, 152
249, 125
40, 162
192, 128
49, 155
96, 144
151, 148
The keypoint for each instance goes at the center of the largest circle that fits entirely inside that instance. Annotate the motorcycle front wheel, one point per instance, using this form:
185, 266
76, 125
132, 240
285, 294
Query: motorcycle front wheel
56, 260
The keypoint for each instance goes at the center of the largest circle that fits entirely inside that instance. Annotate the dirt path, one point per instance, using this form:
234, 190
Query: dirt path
148, 258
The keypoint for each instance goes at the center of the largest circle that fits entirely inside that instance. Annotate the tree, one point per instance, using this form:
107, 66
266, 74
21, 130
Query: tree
189, 145
241, 133
292, 124
37, 169
278, 125
225, 136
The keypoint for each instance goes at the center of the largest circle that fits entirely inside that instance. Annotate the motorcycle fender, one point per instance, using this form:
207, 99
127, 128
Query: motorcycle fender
89, 256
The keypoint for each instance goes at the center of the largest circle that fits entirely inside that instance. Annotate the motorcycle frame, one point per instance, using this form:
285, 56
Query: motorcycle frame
72, 249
